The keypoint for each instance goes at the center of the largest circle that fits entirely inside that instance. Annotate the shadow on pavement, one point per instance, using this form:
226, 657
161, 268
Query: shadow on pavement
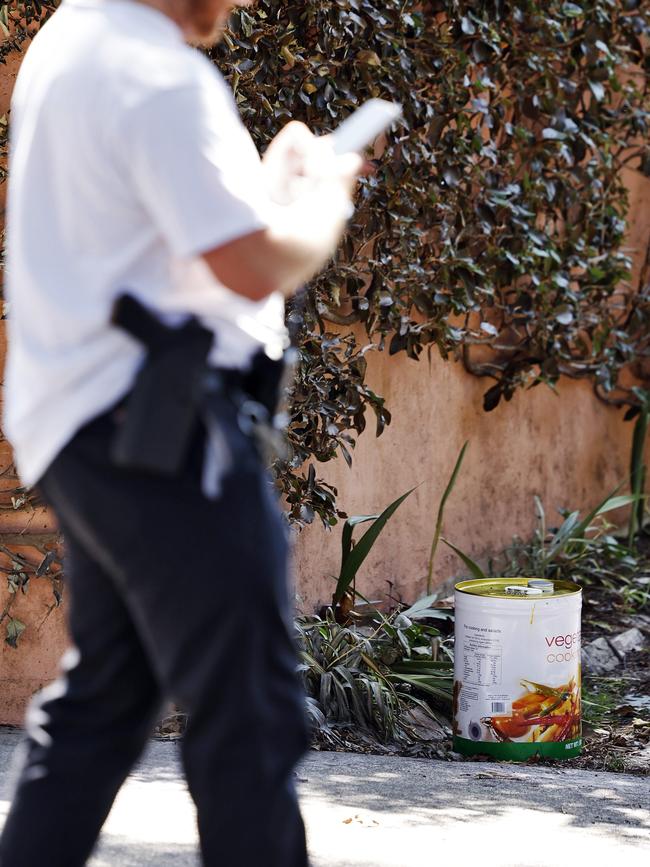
425, 790
125, 852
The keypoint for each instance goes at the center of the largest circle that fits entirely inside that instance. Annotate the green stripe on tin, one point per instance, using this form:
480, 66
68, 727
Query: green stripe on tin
495, 588
518, 752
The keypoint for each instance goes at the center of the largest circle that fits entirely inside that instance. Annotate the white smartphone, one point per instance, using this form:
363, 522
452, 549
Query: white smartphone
363, 126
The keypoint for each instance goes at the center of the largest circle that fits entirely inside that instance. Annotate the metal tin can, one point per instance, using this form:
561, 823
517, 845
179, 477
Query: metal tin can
517, 690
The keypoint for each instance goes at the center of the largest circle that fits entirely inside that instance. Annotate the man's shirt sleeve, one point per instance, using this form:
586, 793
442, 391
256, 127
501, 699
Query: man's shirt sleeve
195, 169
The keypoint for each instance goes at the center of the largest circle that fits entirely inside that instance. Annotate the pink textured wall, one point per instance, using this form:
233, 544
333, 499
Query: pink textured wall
28, 532
568, 449
34, 663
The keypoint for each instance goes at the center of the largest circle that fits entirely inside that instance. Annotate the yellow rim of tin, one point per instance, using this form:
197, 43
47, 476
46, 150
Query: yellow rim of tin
494, 588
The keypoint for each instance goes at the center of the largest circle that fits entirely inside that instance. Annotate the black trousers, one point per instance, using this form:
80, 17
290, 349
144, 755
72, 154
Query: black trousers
169, 595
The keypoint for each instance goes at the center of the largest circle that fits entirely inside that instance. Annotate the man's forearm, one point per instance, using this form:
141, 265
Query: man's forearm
301, 238
305, 236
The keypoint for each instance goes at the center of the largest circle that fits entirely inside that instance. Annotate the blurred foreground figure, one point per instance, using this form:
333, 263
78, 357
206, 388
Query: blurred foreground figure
149, 255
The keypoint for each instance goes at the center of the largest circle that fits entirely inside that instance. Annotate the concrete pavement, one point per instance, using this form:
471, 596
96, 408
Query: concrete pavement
372, 811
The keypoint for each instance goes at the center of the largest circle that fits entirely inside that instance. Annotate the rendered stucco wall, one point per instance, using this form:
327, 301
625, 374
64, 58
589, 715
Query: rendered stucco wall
569, 449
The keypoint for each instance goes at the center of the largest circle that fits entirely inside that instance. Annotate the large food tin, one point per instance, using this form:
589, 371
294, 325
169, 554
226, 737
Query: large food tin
517, 668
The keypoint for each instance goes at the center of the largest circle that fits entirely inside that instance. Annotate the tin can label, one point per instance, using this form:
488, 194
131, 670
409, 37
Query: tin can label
517, 676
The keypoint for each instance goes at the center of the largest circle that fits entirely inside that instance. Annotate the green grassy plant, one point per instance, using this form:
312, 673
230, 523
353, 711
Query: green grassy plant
441, 514
352, 556
371, 676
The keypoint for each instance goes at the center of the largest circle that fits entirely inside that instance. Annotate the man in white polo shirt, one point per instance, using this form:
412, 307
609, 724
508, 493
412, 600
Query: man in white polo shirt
130, 171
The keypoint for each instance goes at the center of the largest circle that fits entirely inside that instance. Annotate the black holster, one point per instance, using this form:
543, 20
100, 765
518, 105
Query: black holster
175, 391
161, 411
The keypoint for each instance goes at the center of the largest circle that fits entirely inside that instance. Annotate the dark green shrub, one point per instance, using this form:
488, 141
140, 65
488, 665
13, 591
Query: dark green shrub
497, 216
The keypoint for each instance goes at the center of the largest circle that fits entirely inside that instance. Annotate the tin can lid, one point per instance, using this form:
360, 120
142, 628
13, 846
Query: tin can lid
516, 588
542, 584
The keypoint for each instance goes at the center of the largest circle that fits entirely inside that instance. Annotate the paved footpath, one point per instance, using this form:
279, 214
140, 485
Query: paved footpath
371, 811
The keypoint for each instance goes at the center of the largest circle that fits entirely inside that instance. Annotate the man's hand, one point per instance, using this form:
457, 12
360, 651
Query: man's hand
297, 161
310, 189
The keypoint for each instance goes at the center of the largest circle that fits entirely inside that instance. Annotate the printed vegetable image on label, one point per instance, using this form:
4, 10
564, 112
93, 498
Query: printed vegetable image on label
542, 713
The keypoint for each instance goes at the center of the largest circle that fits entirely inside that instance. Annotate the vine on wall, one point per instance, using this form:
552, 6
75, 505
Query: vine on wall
493, 230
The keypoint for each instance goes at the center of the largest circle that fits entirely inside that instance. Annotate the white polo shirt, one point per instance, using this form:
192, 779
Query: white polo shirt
128, 159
